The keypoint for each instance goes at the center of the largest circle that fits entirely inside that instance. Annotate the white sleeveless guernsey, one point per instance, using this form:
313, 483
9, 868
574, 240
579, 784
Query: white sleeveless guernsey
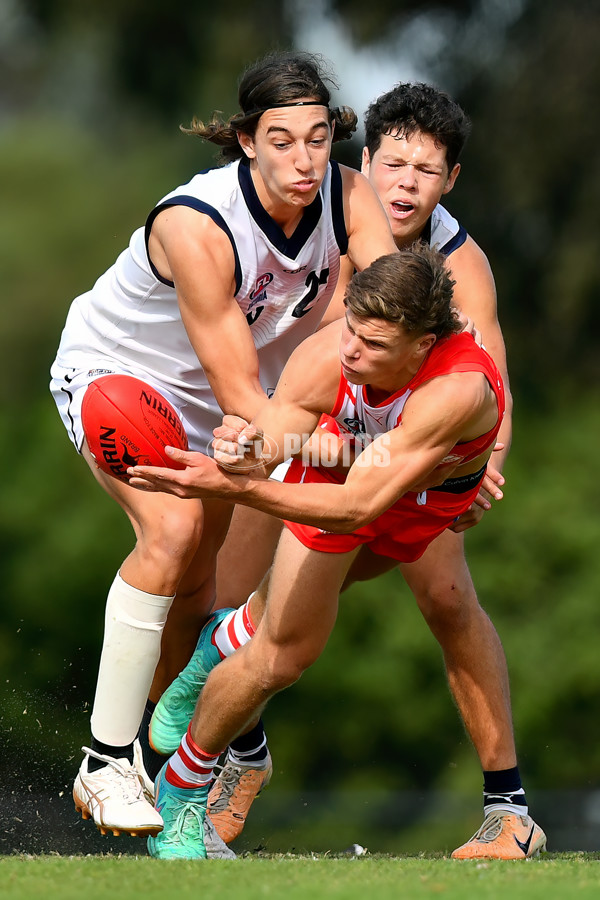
130, 319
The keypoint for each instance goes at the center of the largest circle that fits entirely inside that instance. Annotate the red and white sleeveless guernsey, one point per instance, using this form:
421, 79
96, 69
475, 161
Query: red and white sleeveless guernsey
405, 530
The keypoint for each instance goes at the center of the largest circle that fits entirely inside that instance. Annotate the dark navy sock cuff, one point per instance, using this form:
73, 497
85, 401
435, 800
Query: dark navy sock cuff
253, 740
125, 752
503, 781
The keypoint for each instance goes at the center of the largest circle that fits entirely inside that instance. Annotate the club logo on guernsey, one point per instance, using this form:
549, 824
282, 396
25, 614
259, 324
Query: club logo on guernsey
355, 426
258, 297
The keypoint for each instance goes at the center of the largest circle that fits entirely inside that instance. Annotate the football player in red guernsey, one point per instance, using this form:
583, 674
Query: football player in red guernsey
417, 408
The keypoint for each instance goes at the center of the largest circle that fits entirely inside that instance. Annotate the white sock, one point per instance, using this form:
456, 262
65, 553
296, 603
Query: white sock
511, 801
133, 627
235, 630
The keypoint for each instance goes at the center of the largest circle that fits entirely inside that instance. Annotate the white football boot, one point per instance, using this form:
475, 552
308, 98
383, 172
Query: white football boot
113, 797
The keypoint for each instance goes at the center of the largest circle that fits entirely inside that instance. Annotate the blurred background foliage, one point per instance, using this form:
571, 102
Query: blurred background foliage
91, 98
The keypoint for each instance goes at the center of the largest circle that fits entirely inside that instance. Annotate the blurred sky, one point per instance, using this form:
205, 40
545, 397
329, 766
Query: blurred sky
403, 54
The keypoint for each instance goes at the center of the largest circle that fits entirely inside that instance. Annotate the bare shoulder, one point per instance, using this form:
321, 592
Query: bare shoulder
470, 264
182, 237
179, 223
369, 232
474, 288
352, 177
460, 403
357, 191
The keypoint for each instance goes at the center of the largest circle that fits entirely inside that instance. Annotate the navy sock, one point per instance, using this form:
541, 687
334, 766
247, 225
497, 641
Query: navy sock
504, 788
125, 752
153, 761
251, 747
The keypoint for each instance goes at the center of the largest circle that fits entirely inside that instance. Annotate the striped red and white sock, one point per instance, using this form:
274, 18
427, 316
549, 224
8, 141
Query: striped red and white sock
190, 767
235, 630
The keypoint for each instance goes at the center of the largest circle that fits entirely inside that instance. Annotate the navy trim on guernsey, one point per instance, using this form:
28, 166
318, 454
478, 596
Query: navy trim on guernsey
202, 207
462, 484
291, 246
337, 208
455, 242
450, 246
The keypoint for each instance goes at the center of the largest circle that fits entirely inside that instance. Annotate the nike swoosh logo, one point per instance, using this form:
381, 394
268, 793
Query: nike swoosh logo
524, 845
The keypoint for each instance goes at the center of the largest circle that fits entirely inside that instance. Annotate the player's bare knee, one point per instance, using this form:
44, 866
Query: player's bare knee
448, 605
173, 536
282, 666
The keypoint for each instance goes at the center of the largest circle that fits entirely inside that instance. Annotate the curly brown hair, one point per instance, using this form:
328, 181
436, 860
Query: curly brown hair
411, 107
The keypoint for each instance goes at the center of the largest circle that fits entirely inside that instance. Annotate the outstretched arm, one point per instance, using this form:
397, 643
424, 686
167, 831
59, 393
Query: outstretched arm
307, 388
436, 417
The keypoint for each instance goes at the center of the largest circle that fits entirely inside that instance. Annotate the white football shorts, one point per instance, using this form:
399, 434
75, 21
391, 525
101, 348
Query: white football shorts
68, 387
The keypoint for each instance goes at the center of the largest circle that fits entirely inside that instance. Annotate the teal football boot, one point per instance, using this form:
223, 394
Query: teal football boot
183, 813
176, 707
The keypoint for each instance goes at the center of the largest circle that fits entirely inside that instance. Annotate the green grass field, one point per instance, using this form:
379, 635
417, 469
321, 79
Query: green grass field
551, 876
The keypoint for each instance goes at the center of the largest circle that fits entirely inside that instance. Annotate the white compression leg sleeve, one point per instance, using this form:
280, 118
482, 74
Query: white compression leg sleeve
132, 631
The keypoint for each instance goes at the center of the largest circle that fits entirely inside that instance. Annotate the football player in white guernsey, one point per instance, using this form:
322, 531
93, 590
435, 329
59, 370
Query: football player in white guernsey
430, 403
229, 274
414, 135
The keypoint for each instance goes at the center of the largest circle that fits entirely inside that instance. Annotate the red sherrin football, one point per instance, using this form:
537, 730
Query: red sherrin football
126, 423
